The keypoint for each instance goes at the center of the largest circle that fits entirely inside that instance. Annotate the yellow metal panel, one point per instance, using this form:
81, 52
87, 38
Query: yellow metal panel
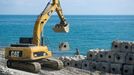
28, 53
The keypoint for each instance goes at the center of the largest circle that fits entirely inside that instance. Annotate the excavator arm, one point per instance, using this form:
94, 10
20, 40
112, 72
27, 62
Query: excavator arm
60, 14
43, 18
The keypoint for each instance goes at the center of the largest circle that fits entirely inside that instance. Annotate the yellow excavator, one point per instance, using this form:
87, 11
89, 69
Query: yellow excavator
30, 54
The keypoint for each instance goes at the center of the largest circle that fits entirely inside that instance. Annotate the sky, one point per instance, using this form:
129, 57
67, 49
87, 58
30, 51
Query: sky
70, 7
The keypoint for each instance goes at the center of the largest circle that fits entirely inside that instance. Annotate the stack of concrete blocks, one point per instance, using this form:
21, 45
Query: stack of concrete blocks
90, 63
97, 60
75, 61
102, 61
124, 58
118, 60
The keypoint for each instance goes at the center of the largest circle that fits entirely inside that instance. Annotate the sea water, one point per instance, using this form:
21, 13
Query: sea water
86, 31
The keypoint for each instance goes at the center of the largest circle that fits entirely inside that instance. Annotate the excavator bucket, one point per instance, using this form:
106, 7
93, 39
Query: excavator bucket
61, 28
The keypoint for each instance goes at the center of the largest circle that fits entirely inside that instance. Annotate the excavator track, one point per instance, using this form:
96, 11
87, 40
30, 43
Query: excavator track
34, 67
52, 63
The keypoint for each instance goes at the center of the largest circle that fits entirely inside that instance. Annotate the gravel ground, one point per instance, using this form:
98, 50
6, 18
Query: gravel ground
66, 71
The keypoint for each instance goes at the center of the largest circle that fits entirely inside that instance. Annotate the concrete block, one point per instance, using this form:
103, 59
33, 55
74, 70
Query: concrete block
116, 68
86, 64
120, 57
104, 66
94, 66
128, 70
130, 58
110, 56
116, 45
64, 46
76, 64
91, 55
101, 56
67, 63
126, 46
